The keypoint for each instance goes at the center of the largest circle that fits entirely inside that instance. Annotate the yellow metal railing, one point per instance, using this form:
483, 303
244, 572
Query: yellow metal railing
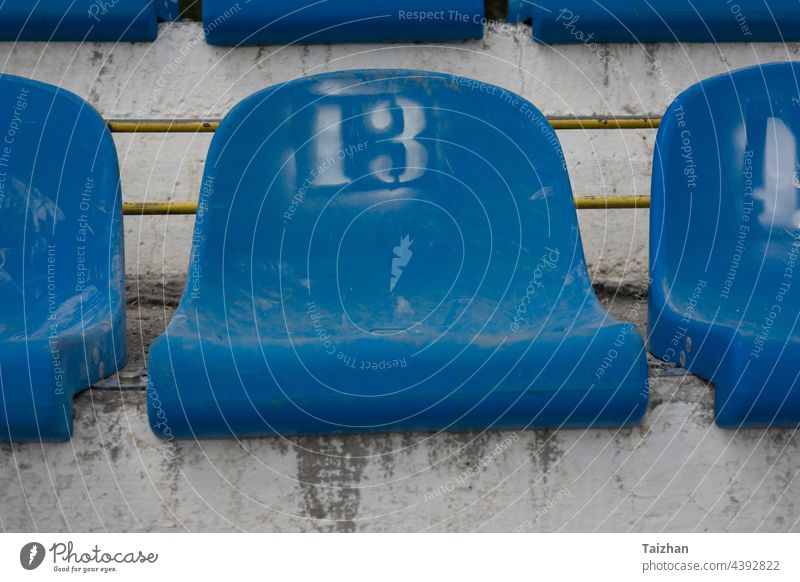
156, 208
581, 203
163, 126
606, 202
605, 122
211, 125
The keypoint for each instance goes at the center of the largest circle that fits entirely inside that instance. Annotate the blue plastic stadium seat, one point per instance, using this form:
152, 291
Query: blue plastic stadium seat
725, 241
389, 250
84, 20
230, 22
640, 21
62, 279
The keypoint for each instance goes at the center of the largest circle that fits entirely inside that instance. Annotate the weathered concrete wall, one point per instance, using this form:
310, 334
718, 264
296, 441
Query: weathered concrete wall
181, 76
676, 472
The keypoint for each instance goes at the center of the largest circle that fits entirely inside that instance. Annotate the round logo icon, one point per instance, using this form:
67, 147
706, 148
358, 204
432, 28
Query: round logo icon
31, 555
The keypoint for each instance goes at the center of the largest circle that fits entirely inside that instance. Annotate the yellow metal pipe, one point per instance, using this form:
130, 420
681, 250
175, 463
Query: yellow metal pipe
605, 202
581, 203
175, 126
211, 125
155, 208
605, 122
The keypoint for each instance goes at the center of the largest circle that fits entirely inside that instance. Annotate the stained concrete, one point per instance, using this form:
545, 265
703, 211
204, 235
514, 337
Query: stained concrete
675, 472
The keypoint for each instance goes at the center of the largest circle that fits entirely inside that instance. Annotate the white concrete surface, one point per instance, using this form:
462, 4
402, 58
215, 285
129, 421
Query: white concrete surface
181, 76
676, 472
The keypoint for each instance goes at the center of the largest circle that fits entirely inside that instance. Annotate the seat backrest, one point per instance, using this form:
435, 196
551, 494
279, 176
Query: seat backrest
83, 20
230, 22
60, 210
641, 21
391, 199
725, 216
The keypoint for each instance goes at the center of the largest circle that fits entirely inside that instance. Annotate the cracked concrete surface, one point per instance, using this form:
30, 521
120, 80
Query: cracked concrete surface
675, 472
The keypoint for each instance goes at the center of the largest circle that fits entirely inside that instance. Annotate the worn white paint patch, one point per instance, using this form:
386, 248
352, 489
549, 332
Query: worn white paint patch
676, 472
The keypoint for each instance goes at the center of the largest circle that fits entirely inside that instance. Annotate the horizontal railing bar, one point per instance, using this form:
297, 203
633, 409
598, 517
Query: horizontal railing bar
211, 125
605, 122
581, 203
163, 125
605, 202
156, 208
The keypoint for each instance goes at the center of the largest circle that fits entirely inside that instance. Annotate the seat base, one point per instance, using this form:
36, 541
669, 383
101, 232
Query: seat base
39, 379
243, 389
756, 380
